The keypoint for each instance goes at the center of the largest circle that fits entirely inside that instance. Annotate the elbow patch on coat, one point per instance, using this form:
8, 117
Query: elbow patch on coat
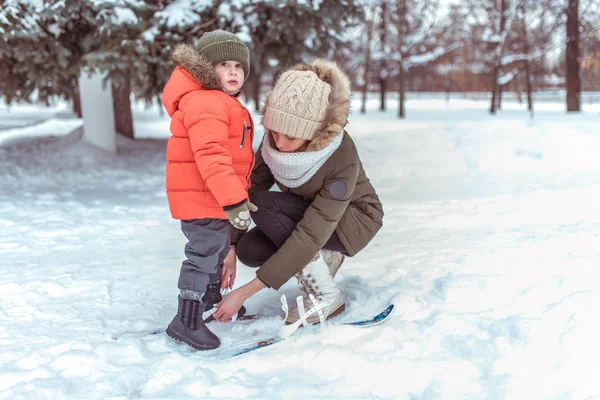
338, 189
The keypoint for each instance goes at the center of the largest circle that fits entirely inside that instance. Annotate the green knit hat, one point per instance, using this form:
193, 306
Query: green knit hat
218, 46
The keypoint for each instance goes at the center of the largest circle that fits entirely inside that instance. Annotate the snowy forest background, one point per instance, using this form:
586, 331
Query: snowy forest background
475, 47
491, 240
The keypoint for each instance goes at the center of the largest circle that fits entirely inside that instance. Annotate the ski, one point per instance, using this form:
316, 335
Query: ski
158, 331
379, 318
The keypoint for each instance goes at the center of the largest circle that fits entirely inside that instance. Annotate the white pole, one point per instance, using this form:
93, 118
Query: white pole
97, 110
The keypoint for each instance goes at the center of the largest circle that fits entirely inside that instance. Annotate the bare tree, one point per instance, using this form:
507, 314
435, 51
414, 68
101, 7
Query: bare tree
582, 20
590, 37
526, 61
369, 25
538, 22
573, 58
503, 18
403, 31
382, 73
413, 21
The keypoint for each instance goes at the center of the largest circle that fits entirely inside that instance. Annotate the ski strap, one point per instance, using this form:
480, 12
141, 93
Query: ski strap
319, 308
284, 307
288, 330
300, 304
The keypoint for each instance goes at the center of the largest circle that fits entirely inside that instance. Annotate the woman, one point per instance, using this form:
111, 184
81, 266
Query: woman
327, 208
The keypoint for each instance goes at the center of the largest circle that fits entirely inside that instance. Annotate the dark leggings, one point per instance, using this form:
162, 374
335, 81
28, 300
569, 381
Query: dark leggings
277, 216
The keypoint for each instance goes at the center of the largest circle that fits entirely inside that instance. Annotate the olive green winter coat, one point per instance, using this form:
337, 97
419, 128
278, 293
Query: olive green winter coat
355, 213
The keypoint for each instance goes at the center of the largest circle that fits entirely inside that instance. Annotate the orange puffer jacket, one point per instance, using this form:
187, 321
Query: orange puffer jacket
209, 153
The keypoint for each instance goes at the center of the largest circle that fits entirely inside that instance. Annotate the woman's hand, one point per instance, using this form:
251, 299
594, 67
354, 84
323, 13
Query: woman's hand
229, 269
231, 304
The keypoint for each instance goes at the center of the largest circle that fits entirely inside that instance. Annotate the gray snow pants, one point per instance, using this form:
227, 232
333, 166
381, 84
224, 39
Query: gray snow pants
207, 247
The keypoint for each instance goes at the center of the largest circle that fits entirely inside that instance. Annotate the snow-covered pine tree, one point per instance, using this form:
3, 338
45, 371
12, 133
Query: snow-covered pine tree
45, 42
34, 66
138, 54
283, 33
138, 40
45, 45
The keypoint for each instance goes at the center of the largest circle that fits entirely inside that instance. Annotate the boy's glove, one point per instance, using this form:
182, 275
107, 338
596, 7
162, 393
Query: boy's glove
239, 216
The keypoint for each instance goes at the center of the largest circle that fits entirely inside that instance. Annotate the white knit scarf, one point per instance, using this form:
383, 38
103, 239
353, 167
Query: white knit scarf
295, 169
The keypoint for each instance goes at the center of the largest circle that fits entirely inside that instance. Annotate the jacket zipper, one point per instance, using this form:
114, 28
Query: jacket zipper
244, 134
252, 152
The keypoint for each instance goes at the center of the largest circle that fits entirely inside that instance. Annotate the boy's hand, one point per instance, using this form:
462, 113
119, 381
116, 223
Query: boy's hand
240, 216
229, 270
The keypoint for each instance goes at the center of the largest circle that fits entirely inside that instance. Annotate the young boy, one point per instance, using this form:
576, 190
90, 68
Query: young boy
209, 160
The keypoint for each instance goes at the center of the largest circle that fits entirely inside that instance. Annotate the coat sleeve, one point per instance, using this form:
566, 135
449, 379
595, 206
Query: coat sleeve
207, 123
314, 230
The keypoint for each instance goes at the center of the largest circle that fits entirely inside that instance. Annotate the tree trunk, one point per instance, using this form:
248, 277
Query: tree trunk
382, 90
494, 90
573, 58
496, 96
365, 89
161, 109
122, 109
526, 50
529, 87
499, 106
383, 70
401, 89
76, 98
257, 79
256, 91
403, 31
516, 86
363, 106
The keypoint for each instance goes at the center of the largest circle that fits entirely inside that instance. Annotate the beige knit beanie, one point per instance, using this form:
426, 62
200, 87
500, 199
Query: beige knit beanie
296, 106
218, 46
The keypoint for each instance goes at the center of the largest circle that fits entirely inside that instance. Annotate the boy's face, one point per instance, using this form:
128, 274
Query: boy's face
231, 75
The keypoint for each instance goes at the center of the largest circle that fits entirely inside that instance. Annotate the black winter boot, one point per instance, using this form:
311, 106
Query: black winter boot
212, 297
188, 326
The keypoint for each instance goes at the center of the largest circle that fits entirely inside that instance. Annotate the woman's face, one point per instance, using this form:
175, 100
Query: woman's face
287, 144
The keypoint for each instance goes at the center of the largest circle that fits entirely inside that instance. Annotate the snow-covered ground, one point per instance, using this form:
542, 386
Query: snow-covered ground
490, 250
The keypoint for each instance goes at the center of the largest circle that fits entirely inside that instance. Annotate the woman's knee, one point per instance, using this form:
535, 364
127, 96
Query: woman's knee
271, 202
254, 248
264, 199
267, 206
244, 254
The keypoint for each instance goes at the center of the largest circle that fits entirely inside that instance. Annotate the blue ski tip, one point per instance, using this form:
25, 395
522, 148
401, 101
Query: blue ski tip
375, 320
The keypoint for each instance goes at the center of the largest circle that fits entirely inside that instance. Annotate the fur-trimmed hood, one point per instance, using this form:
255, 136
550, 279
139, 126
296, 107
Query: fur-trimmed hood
197, 65
194, 72
338, 109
